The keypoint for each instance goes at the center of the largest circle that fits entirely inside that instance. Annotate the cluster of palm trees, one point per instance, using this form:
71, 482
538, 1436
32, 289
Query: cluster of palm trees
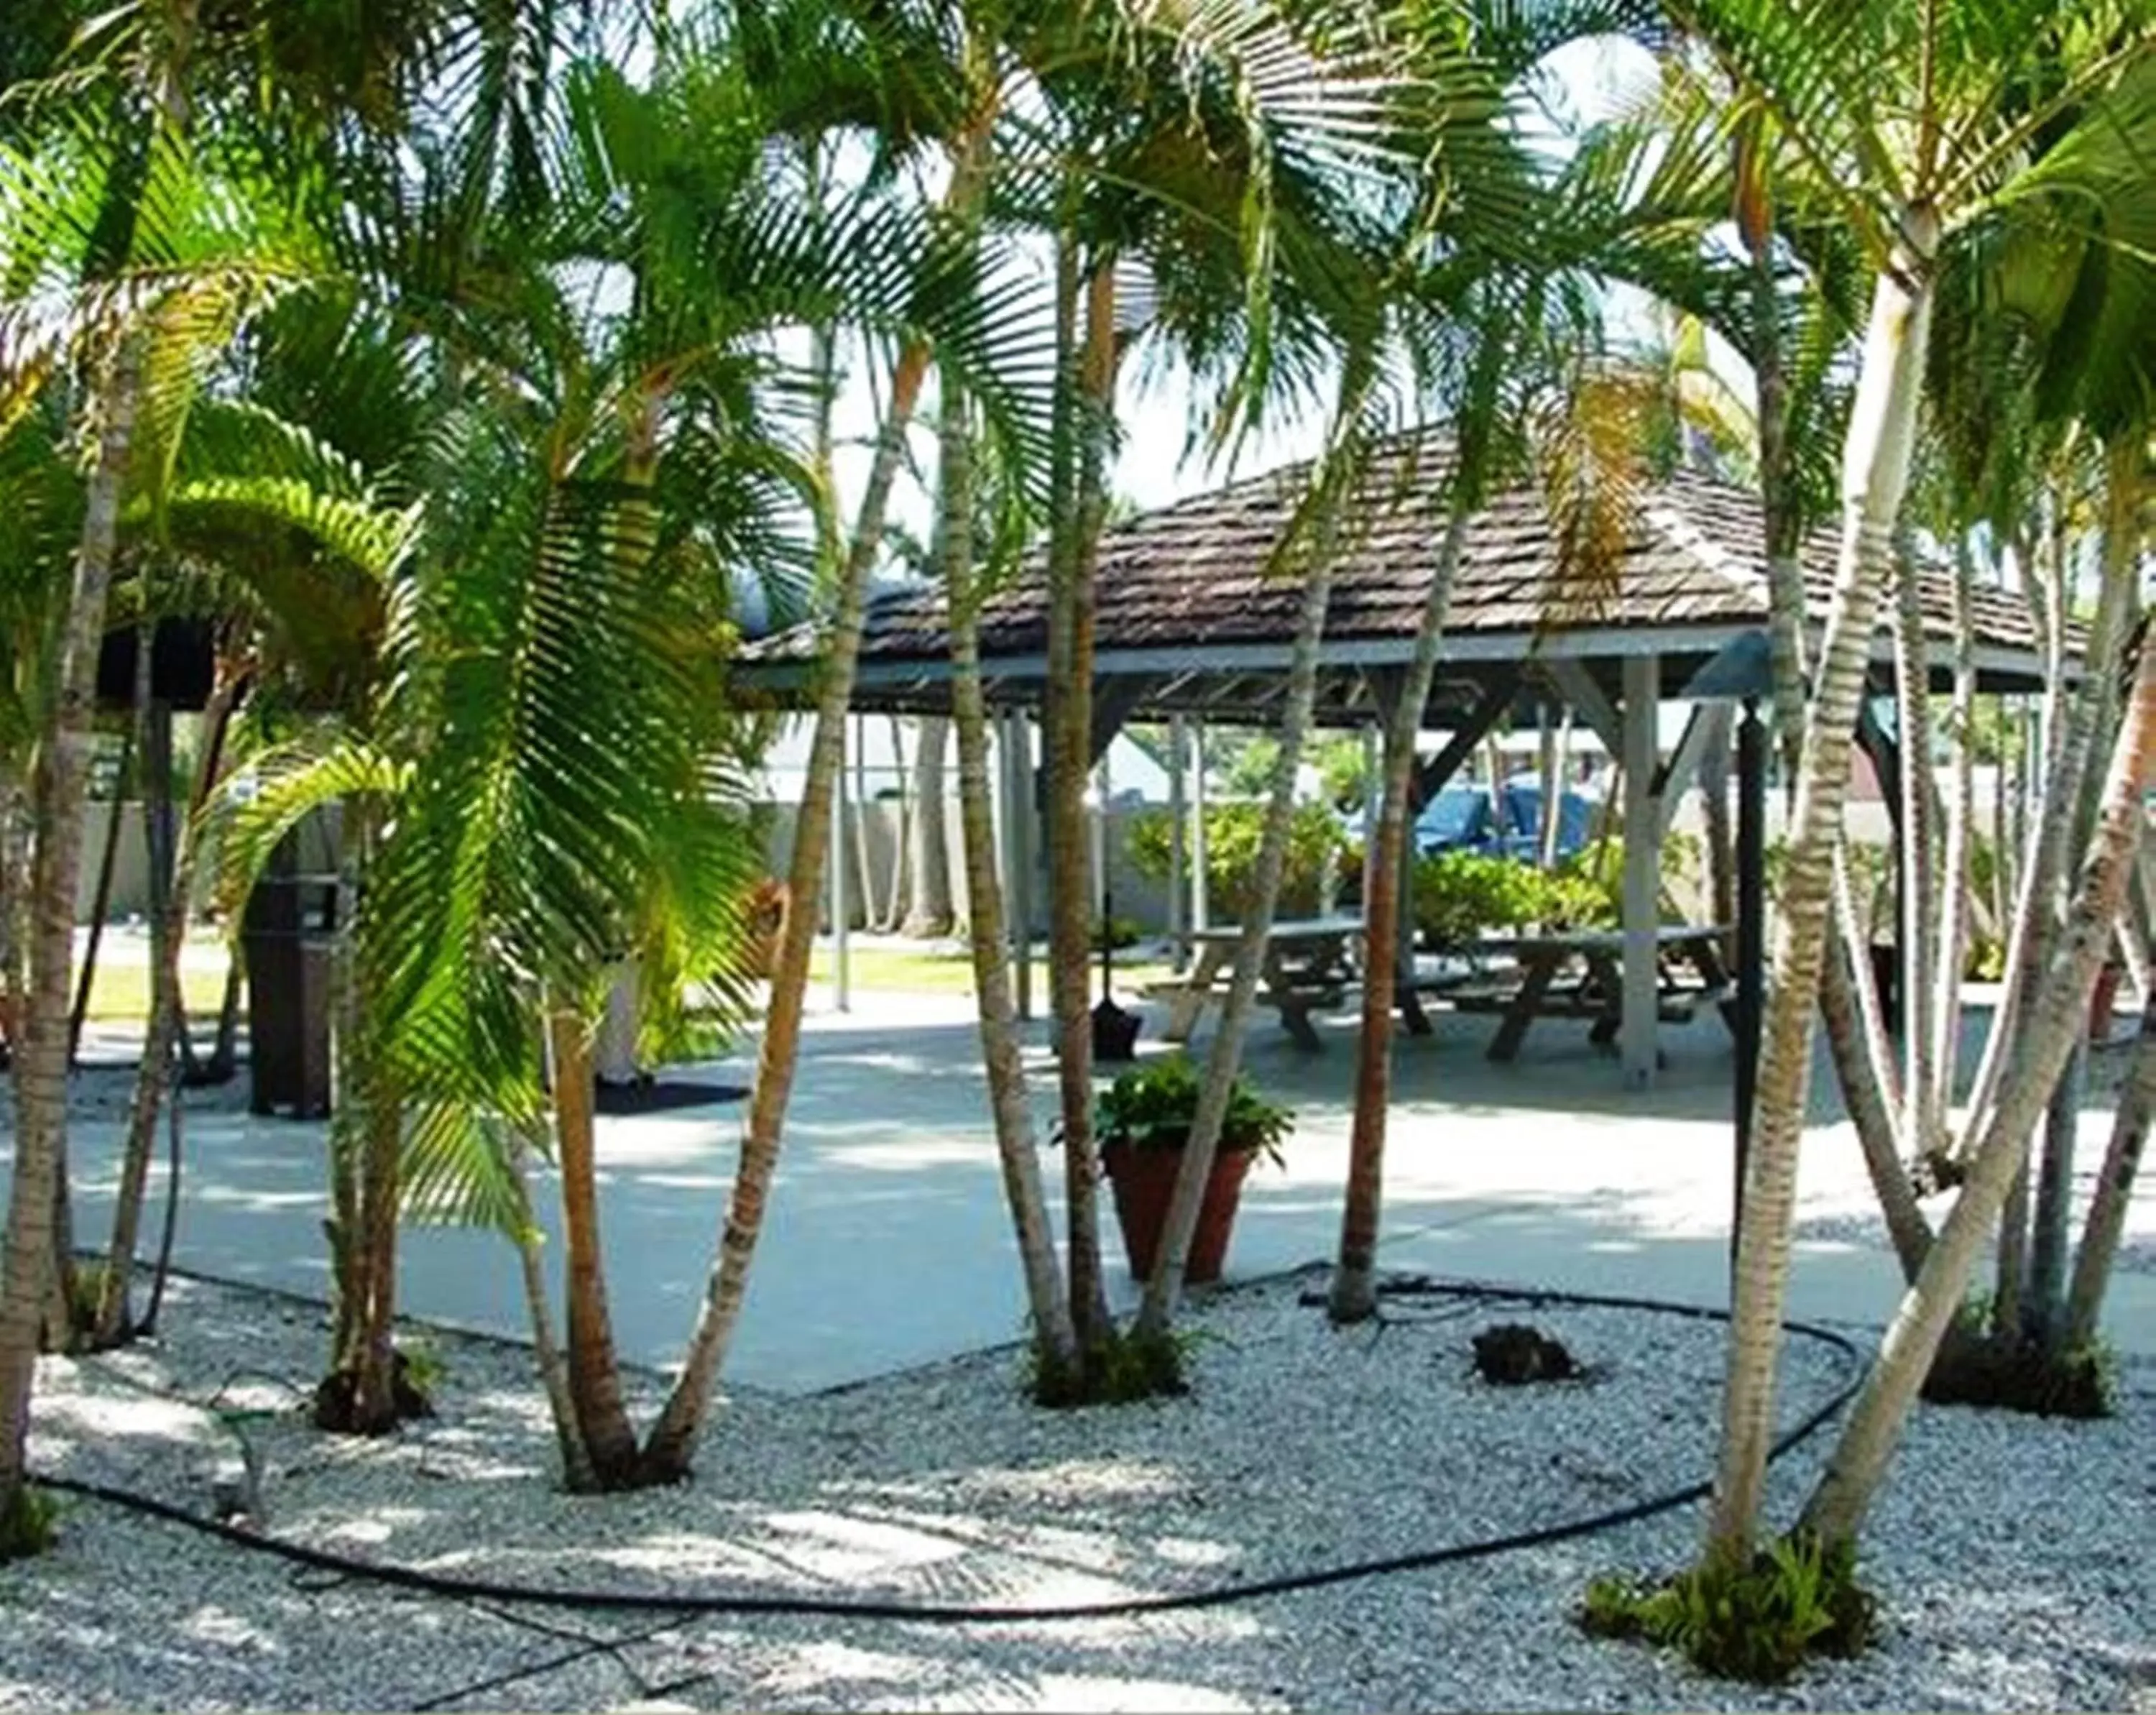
468, 361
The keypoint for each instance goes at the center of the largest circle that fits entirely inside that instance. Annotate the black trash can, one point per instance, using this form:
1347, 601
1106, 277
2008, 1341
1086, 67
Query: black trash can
288, 934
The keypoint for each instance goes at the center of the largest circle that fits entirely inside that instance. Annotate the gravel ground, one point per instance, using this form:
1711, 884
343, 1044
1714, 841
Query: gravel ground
2012, 1555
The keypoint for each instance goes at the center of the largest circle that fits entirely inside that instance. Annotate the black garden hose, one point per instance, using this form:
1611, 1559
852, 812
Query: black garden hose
990, 1614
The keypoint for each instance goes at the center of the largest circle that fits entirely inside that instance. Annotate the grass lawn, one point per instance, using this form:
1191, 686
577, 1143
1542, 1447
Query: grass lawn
922, 972
120, 992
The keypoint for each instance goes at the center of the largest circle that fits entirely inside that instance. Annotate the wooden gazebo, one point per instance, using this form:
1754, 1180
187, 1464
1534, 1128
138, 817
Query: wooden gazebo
1196, 611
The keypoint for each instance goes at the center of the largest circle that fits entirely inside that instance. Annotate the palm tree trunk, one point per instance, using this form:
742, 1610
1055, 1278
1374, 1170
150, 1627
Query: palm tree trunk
161, 1270
864, 856
1055, 1338
41, 1067
2070, 729
347, 1129
1954, 867
2057, 1020
1714, 771
1876, 462
672, 1441
224, 1060
2114, 1188
1353, 1297
929, 912
594, 1372
1778, 510
1873, 1064
1081, 400
1921, 1121
894, 898
1863, 1095
2011, 1273
14, 871
375, 1405
101, 895
229, 686
167, 924
577, 1475
1164, 1288
2043, 1301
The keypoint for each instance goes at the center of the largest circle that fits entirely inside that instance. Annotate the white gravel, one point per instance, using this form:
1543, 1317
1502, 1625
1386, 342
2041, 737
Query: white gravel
2012, 1556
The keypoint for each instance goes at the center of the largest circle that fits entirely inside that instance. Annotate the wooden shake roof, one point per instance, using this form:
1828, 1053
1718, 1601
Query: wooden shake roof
1188, 600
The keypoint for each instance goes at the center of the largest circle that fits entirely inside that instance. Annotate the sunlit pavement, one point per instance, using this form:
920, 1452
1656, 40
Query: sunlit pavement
888, 1243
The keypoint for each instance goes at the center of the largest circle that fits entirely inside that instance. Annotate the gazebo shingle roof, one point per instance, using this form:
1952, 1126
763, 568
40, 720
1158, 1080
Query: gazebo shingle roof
1190, 586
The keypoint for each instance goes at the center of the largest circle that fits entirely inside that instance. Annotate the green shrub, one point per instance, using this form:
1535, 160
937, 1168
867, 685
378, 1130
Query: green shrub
1461, 894
1759, 1624
1124, 1368
1233, 832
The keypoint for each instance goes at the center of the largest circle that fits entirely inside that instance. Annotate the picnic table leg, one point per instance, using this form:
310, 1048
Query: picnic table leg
1610, 1019
1294, 1015
1189, 1000
1521, 1013
1705, 955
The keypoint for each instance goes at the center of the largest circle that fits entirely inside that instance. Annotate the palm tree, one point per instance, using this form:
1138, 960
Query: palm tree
1981, 88
134, 264
1058, 1370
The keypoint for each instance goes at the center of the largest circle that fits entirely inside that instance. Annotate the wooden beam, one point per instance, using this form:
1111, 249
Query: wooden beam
1114, 702
1429, 777
1573, 682
1706, 724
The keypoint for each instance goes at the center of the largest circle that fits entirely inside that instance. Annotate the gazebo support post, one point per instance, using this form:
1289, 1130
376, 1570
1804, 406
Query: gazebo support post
1201, 914
1642, 1006
1179, 847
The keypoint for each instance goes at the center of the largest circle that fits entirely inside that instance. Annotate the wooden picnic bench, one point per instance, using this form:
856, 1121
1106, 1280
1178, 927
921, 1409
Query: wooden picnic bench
1311, 966
1580, 975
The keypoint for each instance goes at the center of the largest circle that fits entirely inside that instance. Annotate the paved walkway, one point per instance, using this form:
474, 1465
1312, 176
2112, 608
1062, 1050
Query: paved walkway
888, 1244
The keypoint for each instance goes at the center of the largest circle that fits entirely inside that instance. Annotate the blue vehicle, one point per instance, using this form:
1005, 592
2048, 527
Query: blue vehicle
1466, 818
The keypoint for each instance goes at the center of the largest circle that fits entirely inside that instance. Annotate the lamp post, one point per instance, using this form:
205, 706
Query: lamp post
1741, 672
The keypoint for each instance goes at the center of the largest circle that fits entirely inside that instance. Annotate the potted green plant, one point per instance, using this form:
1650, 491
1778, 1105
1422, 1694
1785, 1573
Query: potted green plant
1142, 1123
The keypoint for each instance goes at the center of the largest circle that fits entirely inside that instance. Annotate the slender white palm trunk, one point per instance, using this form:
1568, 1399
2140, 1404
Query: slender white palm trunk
1874, 474
62, 779
2056, 1023
1164, 1288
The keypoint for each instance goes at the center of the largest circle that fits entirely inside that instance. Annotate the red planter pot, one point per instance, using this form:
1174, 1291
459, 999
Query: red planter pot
1144, 1181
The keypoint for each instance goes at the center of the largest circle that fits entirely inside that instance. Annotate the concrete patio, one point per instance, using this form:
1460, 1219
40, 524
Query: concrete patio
888, 1243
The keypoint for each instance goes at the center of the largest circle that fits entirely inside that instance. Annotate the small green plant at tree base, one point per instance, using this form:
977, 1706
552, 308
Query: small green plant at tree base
1760, 1623
29, 1524
1127, 1366
88, 1284
1977, 1366
423, 1365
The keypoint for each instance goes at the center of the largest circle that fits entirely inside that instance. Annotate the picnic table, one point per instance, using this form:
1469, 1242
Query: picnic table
1580, 975
1309, 964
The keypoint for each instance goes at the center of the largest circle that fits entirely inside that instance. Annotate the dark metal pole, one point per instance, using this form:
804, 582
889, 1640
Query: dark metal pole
1751, 937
